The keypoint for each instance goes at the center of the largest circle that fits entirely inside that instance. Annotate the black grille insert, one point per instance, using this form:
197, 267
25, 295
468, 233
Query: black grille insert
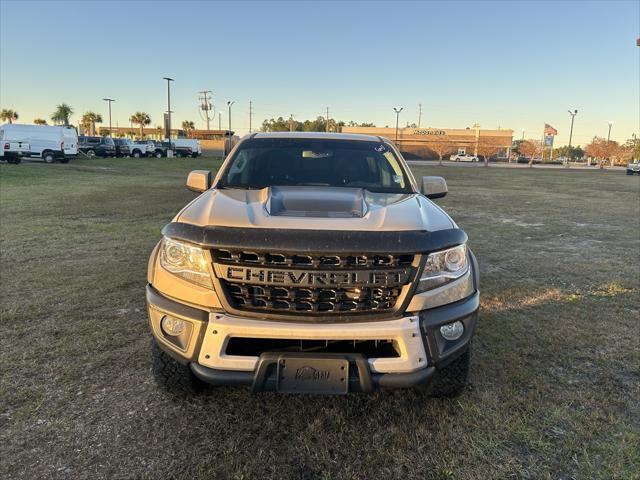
317, 284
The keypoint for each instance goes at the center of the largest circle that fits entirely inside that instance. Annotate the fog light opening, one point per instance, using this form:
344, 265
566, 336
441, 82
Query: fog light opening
452, 331
172, 326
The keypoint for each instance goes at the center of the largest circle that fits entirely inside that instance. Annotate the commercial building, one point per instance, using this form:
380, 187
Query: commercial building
430, 143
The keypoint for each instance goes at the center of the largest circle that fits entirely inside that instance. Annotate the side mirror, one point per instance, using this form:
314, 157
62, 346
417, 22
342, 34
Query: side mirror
434, 187
199, 180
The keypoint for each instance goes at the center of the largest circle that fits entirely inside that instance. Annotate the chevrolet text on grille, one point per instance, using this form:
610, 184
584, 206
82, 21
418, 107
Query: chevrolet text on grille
314, 278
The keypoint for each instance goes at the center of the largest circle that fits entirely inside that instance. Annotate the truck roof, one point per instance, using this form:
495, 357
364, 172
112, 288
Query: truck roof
318, 135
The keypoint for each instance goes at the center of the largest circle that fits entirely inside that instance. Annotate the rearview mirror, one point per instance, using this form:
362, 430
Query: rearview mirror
199, 180
434, 187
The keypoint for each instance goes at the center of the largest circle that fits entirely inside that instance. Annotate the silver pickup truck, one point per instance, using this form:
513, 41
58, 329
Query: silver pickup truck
313, 263
633, 167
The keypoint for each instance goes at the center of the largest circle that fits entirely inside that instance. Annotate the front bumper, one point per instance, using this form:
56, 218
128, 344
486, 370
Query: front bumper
421, 348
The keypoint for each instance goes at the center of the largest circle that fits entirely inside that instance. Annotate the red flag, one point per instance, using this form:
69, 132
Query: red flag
549, 130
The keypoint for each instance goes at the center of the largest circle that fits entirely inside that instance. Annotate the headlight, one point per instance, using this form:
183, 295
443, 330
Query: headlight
185, 261
443, 267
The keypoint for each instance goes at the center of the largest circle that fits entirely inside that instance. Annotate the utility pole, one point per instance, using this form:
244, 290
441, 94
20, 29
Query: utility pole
522, 134
250, 114
205, 105
229, 104
419, 114
395, 109
477, 128
291, 122
609, 134
327, 126
169, 80
111, 100
219, 120
573, 116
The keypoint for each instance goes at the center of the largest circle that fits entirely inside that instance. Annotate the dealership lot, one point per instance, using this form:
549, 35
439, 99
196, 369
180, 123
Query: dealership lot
555, 381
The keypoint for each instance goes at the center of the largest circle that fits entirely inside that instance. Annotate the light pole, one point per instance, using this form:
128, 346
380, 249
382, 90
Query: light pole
573, 116
609, 134
229, 104
522, 134
395, 109
169, 80
110, 100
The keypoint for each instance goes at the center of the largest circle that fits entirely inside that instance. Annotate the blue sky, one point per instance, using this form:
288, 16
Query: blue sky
509, 64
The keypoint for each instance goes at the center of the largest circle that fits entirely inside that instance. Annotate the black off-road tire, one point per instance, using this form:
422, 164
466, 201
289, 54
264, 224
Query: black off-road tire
173, 376
452, 380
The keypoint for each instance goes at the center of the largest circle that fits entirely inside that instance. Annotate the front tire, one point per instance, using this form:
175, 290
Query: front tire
48, 157
173, 376
91, 153
136, 154
452, 380
158, 154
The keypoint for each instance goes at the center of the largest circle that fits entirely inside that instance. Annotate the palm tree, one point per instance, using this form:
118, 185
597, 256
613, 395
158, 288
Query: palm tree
142, 119
39, 121
89, 119
62, 114
9, 115
188, 125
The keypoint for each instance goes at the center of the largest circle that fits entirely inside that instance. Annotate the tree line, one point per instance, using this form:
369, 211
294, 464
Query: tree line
63, 112
319, 124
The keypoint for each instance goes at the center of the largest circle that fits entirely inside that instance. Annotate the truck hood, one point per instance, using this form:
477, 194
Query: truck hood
315, 208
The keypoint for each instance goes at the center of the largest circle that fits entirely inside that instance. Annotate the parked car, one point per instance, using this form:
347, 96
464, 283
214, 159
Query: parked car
96, 146
633, 167
463, 157
161, 148
12, 151
313, 263
187, 147
48, 142
147, 147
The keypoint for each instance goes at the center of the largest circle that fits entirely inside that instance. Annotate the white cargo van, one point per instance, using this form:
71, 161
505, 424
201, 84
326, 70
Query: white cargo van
183, 144
47, 142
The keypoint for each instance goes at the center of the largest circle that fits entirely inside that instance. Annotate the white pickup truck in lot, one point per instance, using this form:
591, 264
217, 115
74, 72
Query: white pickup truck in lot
148, 146
12, 151
187, 147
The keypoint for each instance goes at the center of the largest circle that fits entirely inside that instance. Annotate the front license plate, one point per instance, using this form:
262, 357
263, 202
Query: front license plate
313, 375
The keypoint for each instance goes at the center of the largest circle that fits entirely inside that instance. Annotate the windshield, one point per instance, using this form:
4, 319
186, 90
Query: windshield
264, 162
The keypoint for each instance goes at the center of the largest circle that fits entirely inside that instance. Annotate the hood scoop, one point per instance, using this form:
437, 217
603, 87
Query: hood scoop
316, 201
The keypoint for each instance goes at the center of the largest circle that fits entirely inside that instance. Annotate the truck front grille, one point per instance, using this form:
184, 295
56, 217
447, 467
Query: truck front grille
327, 284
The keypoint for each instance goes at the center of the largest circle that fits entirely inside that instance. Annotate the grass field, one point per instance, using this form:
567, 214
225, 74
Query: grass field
555, 385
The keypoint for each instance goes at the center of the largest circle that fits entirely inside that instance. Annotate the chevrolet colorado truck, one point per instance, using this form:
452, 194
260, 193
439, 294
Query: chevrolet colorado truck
313, 263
